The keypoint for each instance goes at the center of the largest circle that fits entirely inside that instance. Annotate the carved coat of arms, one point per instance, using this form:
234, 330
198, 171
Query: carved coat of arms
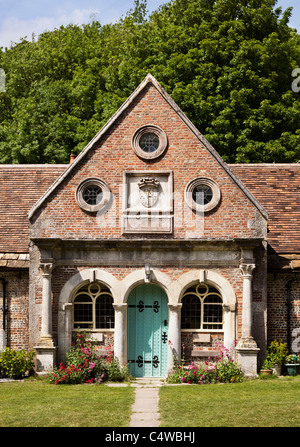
148, 191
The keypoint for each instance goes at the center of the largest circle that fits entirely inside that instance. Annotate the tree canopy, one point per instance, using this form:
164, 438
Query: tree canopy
227, 63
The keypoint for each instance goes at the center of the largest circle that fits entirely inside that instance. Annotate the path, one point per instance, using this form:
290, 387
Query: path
145, 411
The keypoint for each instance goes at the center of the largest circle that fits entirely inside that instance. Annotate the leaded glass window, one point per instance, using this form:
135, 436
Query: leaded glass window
92, 195
202, 194
202, 308
93, 308
149, 142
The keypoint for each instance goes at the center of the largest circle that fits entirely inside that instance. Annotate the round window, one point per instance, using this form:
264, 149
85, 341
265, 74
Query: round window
149, 142
93, 194
202, 194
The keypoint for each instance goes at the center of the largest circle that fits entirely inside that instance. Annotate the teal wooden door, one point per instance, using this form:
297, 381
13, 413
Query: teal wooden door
147, 331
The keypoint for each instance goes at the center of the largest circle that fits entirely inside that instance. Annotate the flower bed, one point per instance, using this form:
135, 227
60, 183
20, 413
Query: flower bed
84, 365
221, 368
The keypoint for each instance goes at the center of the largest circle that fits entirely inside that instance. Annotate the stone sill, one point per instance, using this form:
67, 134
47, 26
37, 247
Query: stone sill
206, 353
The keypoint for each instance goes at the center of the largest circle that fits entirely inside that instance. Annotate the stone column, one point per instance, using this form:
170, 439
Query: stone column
174, 334
229, 325
120, 332
64, 331
45, 348
247, 348
46, 332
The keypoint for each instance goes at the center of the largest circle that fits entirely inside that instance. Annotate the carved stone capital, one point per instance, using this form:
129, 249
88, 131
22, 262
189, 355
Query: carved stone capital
229, 307
247, 269
120, 306
67, 306
46, 268
175, 307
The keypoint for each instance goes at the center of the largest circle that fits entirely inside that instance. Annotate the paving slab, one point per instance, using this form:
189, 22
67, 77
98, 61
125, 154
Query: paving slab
145, 409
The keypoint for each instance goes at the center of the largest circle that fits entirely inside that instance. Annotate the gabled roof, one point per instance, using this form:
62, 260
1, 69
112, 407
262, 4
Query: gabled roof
20, 187
148, 79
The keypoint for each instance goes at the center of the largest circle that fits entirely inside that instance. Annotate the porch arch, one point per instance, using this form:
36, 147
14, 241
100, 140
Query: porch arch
138, 277
222, 284
81, 278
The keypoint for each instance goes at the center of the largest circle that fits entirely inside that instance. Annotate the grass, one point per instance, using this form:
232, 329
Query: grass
252, 403
39, 404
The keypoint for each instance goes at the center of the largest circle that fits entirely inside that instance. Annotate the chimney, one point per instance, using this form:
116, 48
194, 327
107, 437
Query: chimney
72, 158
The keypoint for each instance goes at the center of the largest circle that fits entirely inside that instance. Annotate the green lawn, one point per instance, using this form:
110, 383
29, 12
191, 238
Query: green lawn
39, 404
253, 403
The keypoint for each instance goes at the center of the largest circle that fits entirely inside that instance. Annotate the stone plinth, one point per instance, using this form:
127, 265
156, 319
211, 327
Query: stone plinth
247, 351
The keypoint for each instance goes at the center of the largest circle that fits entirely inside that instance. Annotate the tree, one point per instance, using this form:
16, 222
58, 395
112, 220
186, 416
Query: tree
228, 64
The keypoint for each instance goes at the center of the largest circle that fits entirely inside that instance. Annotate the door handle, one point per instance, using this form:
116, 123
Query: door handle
165, 323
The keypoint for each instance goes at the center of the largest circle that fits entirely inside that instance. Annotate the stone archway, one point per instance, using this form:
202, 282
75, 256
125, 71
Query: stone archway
218, 281
65, 303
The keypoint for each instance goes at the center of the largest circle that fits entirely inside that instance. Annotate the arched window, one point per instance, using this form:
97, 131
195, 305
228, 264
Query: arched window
202, 308
93, 308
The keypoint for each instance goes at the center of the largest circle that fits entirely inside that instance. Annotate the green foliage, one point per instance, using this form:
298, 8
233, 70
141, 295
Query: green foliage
276, 353
292, 358
228, 64
15, 364
84, 365
221, 369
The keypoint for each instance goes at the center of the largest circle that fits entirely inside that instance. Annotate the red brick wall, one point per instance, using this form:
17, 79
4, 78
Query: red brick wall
17, 291
185, 156
277, 307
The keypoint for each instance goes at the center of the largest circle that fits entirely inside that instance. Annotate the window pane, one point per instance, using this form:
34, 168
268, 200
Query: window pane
83, 315
92, 195
82, 298
190, 313
105, 315
213, 312
202, 194
149, 142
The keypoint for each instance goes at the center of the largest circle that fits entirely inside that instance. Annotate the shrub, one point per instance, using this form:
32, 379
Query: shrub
15, 364
84, 365
221, 369
276, 352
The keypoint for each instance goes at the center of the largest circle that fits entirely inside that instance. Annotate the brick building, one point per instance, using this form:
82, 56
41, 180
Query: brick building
148, 240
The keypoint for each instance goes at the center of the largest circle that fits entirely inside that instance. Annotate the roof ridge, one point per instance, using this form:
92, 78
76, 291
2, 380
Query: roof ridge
32, 165
274, 165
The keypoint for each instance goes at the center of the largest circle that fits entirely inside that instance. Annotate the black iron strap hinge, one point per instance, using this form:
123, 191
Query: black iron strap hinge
140, 361
141, 306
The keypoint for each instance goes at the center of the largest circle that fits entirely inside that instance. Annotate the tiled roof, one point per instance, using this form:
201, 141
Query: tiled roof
276, 187
20, 187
